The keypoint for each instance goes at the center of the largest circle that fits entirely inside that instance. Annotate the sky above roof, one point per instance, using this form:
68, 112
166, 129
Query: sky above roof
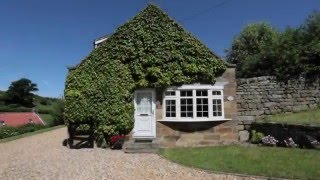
40, 39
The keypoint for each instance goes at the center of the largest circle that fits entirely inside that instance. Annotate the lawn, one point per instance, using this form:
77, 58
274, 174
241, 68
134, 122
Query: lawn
47, 118
260, 161
304, 117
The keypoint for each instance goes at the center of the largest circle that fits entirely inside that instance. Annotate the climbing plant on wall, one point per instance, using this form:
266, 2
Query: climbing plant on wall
151, 50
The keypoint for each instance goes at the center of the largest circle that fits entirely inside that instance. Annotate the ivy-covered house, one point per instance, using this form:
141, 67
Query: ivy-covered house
153, 80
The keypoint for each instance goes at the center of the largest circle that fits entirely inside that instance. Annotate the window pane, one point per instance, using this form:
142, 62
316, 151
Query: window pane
170, 93
185, 93
170, 108
189, 108
144, 102
216, 92
217, 107
202, 107
202, 93
186, 107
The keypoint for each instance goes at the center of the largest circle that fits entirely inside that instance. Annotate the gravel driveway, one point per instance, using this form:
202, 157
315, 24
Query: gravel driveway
43, 157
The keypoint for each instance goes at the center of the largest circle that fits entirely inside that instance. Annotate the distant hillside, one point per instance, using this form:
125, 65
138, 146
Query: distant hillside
45, 106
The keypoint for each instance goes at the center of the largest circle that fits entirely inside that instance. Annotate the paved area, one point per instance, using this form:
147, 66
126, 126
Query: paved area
42, 156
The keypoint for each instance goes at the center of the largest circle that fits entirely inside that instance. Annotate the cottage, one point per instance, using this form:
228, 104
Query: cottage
178, 100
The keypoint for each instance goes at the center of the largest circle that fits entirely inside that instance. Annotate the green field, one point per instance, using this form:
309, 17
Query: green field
259, 161
304, 117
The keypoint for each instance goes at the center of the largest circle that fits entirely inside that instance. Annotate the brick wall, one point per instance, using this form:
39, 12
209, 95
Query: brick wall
263, 96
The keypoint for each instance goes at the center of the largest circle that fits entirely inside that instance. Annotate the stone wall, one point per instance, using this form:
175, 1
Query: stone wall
263, 96
183, 134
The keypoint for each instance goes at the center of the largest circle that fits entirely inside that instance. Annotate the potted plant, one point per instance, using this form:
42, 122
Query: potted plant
117, 141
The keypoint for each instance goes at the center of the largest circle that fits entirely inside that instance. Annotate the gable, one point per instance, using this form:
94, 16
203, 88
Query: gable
157, 48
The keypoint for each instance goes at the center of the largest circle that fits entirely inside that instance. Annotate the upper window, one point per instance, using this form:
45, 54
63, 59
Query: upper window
204, 104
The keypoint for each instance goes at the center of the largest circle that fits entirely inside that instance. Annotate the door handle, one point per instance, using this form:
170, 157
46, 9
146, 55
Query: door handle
144, 114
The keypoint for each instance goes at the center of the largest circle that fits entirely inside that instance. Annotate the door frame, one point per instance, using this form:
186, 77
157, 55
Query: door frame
153, 110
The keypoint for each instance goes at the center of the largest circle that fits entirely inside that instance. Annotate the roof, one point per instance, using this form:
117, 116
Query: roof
151, 20
19, 119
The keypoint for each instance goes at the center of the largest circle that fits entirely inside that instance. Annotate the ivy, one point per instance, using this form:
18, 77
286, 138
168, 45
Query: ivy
151, 50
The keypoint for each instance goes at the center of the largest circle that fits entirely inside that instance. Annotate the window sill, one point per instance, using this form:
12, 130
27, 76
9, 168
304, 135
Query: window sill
193, 120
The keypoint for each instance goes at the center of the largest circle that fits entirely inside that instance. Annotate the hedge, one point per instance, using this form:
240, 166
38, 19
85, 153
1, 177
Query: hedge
8, 131
151, 50
16, 109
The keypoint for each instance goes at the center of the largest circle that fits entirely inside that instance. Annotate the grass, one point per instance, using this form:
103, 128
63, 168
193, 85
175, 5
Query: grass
47, 118
259, 161
30, 134
304, 117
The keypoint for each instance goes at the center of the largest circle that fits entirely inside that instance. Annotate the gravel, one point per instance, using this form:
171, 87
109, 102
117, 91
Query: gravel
42, 156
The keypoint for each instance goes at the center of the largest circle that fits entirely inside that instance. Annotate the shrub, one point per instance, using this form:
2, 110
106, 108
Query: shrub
256, 137
17, 109
8, 131
269, 141
44, 111
289, 142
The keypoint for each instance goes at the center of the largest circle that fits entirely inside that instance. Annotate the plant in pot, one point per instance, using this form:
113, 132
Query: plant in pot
117, 141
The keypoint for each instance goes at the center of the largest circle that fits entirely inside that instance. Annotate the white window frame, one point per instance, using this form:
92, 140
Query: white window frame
194, 88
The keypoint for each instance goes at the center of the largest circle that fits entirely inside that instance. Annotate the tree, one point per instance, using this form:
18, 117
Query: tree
310, 31
250, 50
287, 55
20, 92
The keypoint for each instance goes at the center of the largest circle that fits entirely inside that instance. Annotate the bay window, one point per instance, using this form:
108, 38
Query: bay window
194, 102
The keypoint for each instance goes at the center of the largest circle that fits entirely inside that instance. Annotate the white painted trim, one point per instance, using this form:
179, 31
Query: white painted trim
192, 120
40, 118
194, 87
153, 130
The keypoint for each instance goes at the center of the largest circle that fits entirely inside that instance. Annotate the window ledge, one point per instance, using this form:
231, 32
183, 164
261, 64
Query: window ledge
193, 120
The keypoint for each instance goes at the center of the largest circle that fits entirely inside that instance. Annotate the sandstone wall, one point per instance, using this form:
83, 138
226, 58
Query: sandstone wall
263, 96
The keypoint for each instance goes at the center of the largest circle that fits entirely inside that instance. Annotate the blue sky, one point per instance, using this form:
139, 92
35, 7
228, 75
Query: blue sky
39, 39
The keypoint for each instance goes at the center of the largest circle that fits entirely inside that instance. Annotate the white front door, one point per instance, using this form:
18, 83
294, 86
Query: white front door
144, 125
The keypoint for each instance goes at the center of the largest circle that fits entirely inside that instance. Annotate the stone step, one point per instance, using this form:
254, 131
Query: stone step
142, 146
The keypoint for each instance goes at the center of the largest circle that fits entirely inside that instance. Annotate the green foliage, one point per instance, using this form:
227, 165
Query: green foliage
4, 108
310, 31
20, 92
8, 131
250, 50
260, 50
57, 112
286, 55
256, 137
151, 50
